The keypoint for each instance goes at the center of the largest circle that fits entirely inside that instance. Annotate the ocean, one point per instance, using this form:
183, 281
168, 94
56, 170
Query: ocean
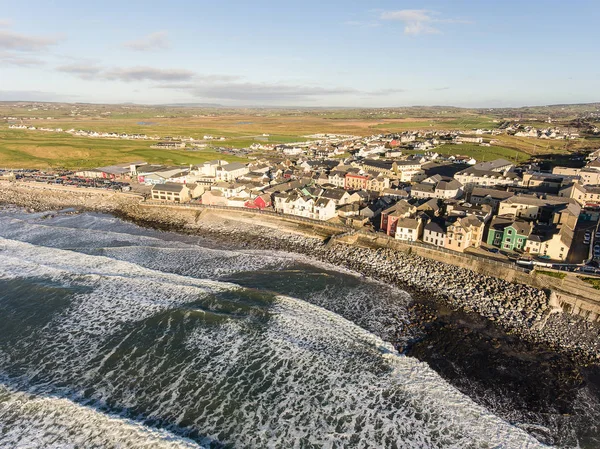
117, 336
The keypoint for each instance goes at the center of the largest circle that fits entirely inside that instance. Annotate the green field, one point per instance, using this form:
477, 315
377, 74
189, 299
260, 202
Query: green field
244, 126
482, 153
25, 149
466, 122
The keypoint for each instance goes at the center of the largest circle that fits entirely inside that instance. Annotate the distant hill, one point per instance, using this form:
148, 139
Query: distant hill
191, 105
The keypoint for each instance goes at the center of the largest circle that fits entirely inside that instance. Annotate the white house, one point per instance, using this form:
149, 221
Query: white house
434, 233
408, 229
230, 172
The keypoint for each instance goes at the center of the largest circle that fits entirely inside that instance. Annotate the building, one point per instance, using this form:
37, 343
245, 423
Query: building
230, 172
532, 207
464, 232
437, 187
409, 171
113, 172
434, 233
356, 181
469, 139
389, 216
493, 197
214, 198
473, 177
551, 242
260, 202
497, 165
337, 178
169, 145
173, 192
464, 209
386, 168
586, 175
545, 182
208, 168
585, 195
408, 229
508, 233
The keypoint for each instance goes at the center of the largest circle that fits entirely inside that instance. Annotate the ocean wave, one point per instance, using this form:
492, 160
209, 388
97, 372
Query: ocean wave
213, 361
28, 421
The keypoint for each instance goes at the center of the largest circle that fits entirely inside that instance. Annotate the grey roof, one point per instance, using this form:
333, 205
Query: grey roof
169, 187
448, 185
434, 226
481, 173
409, 223
492, 165
334, 194
492, 193
233, 166
421, 187
378, 164
114, 170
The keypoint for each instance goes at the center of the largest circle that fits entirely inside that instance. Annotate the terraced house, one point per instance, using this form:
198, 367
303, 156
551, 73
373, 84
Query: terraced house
508, 233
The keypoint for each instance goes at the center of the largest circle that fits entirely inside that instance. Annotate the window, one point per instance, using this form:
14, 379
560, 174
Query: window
509, 232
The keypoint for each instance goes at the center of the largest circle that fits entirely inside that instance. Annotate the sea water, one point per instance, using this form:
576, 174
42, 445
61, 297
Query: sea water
113, 335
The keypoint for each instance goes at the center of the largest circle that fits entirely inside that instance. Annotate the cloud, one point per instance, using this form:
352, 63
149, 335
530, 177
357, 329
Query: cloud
268, 93
419, 21
17, 59
441, 88
10, 40
34, 95
90, 70
148, 73
151, 42
5, 23
260, 92
84, 71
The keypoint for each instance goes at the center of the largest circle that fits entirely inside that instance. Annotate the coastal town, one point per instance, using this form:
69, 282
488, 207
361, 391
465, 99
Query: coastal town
394, 184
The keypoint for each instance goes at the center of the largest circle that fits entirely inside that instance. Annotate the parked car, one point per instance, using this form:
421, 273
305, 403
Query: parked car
493, 250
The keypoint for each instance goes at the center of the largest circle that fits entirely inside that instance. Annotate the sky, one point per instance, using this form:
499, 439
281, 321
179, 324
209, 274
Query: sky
327, 53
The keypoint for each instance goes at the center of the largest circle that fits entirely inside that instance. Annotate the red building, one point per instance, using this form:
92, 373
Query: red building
260, 202
390, 216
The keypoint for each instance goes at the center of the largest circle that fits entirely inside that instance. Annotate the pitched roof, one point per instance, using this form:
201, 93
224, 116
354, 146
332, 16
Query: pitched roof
436, 226
409, 223
492, 193
169, 187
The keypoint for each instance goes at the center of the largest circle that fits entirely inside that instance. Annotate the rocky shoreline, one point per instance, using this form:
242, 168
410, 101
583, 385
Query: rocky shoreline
516, 308
498, 342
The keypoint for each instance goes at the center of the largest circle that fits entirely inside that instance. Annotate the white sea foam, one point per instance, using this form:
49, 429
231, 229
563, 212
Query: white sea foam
273, 374
28, 421
149, 249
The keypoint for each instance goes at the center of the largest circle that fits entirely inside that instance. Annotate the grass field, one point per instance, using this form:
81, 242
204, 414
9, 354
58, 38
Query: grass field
240, 128
482, 153
467, 122
23, 149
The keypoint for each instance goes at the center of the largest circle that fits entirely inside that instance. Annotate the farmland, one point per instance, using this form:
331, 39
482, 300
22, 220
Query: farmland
238, 128
482, 153
24, 149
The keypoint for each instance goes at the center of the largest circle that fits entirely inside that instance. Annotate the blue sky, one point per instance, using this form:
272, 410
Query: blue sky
302, 53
